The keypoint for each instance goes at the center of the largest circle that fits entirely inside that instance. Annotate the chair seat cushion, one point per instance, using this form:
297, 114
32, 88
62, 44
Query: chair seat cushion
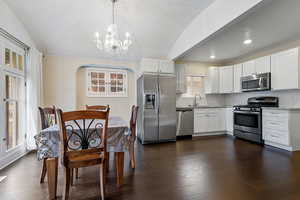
85, 160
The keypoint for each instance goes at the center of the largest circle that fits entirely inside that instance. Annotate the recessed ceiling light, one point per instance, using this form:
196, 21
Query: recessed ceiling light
212, 57
248, 41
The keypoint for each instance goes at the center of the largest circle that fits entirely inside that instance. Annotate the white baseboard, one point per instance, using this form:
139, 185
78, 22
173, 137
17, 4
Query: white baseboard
209, 134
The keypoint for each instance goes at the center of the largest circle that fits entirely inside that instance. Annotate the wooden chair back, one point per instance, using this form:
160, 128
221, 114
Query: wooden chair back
97, 107
82, 132
133, 119
48, 117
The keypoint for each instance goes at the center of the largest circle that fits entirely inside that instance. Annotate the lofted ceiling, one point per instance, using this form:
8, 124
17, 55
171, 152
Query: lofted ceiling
67, 27
272, 24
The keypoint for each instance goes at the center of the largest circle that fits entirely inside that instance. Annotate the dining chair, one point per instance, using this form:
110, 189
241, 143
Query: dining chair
133, 120
48, 118
97, 107
83, 136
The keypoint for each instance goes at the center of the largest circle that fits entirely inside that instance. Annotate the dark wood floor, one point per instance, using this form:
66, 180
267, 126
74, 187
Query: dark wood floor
218, 168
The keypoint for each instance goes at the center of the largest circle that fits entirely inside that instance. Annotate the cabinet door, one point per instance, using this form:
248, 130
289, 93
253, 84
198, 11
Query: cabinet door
180, 76
237, 73
263, 65
226, 79
149, 65
166, 66
212, 81
229, 120
249, 68
201, 123
285, 70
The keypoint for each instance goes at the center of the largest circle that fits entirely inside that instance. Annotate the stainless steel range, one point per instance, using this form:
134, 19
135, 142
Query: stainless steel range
248, 118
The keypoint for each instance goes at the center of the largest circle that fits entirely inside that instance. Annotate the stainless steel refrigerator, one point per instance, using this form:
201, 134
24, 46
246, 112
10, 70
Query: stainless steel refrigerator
156, 97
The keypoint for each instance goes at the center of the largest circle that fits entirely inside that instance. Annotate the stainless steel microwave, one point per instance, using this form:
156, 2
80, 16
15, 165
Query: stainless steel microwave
256, 82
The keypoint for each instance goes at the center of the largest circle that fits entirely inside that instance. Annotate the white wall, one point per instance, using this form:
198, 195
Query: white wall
60, 79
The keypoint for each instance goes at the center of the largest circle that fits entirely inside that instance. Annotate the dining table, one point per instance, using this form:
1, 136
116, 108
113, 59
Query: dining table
48, 141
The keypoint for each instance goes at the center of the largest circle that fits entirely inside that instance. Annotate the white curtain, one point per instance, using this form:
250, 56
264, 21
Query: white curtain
34, 95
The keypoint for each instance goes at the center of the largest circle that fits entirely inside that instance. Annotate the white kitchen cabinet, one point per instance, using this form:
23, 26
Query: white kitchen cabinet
229, 120
263, 65
249, 68
166, 66
209, 121
180, 78
257, 66
149, 65
155, 65
281, 128
226, 79
212, 81
237, 74
285, 70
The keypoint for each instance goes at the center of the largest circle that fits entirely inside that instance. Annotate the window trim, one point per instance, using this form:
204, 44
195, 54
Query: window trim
107, 93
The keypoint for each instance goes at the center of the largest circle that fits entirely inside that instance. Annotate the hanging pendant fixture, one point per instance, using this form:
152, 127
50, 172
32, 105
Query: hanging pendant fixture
110, 42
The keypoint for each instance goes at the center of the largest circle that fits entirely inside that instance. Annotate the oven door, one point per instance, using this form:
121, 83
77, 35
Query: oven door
248, 121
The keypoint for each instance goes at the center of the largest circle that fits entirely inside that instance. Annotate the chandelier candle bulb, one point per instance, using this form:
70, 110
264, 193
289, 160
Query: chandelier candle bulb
111, 42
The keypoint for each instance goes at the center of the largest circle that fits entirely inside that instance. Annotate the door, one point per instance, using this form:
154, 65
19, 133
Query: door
12, 106
167, 108
237, 73
150, 109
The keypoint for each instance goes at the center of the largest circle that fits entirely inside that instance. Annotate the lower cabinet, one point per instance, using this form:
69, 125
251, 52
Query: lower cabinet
229, 120
209, 121
281, 128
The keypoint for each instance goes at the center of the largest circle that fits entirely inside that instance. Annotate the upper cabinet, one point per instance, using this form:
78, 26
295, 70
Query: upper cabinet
226, 79
154, 65
180, 75
149, 65
285, 70
166, 66
257, 66
249, 68
212, 81
237, 74
263, 65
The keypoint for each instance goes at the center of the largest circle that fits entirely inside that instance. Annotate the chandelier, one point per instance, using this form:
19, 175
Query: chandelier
110, 41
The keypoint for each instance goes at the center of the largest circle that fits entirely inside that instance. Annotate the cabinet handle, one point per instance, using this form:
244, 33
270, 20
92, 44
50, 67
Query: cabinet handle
274, 136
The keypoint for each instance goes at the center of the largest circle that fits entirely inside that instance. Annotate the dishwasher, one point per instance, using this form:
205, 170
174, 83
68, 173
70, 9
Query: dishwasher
185, 121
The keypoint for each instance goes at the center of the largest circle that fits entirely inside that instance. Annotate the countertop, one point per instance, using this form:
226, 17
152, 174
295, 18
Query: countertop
200, 107
281, 108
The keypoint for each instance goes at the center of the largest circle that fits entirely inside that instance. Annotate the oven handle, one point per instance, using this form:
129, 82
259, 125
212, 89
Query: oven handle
250, 113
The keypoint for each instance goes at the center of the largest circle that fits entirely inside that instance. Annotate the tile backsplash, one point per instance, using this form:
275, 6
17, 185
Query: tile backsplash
206, 100
289, 98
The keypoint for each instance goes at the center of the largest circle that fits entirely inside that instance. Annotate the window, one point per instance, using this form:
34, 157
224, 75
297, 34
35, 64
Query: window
106, 83
14, 106
14, 59
194, 86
